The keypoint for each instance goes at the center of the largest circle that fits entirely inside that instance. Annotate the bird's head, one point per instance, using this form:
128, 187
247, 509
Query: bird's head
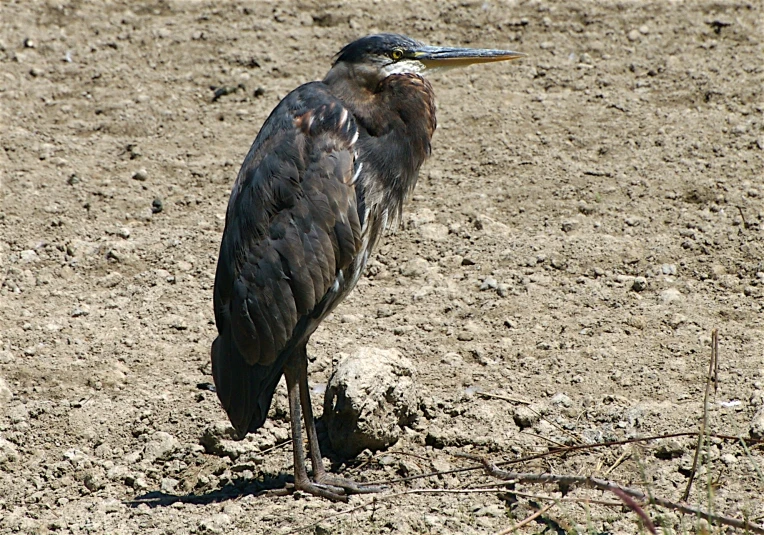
375, 57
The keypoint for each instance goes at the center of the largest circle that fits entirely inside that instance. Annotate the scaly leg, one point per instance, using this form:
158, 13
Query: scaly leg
320, 474
293, 370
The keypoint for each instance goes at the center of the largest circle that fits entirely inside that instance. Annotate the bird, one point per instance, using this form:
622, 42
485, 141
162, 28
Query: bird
327, 174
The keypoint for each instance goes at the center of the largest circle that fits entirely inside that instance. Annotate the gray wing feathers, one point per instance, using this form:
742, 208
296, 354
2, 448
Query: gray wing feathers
292, 226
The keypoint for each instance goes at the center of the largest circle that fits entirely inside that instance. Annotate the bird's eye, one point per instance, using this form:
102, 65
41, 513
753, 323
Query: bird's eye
396, 54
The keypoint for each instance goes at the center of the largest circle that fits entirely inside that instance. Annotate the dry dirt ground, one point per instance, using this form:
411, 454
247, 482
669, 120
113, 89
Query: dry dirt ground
590, 214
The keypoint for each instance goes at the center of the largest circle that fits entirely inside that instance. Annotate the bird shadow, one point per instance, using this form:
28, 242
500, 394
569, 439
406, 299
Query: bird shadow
230, 491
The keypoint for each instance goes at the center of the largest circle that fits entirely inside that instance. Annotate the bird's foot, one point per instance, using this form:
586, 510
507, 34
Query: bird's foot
348, 486
327, 486
335, 494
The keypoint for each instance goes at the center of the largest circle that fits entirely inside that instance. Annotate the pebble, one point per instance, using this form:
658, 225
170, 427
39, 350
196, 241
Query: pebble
5, 394
8, 452
94, 481
561, 399
28, 256
495, 510
160, 446
669, 449
168, 485
452, 359
639, 284
215, 524
729, 459
220, 439
668, 269
415, 268
524, 417
757, 424
488, 284
569, 225
156, 206
633, 35
434, 232
110, 280
671, 295
141, 175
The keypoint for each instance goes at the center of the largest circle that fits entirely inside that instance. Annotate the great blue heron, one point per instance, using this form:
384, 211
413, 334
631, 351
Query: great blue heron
328, 172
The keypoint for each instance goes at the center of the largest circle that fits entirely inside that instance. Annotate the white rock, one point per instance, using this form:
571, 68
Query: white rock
5, 395
215, 523
671, 295
434, 232
371, 394
415, 268
160, 446
8, 452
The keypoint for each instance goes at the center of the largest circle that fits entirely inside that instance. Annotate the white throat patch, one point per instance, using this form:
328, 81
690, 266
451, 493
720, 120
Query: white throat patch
405, 66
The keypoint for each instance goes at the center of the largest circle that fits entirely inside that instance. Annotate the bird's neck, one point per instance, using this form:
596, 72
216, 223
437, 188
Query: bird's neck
396, 118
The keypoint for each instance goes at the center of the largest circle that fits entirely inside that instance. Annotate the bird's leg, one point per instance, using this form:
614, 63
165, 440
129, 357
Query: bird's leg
320, 475
292, 371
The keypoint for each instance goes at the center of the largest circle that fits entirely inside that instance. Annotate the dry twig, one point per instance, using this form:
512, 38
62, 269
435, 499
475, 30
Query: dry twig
527, 520
713, 373
619, 490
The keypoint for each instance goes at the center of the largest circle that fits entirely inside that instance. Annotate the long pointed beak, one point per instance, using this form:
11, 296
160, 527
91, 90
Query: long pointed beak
434, 57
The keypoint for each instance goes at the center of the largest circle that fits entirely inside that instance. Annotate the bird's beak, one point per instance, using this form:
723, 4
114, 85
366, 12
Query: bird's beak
437, 57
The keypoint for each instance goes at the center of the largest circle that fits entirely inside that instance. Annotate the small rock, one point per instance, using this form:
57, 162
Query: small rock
8, 452
160, 446
415, 268
633, 35
495, 510
218, 523
156, 206
28, 256
221, 439
434, 232
669, 449
561, 399
671, 295
668, 269
729, 459
757, 425
168, 485
118, 472
639, 284
502, 289
94, 481
140, 175
110, 280
524, 417
370, 396
5, 395
452, 359
489, 284
569, 225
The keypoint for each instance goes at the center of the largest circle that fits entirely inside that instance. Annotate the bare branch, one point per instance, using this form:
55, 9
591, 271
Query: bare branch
619, 490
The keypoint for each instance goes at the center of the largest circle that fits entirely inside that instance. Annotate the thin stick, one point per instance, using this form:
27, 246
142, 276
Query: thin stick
561, 451
625, 455
527, 521
609, 486
752, 460
711, 377
504, 398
